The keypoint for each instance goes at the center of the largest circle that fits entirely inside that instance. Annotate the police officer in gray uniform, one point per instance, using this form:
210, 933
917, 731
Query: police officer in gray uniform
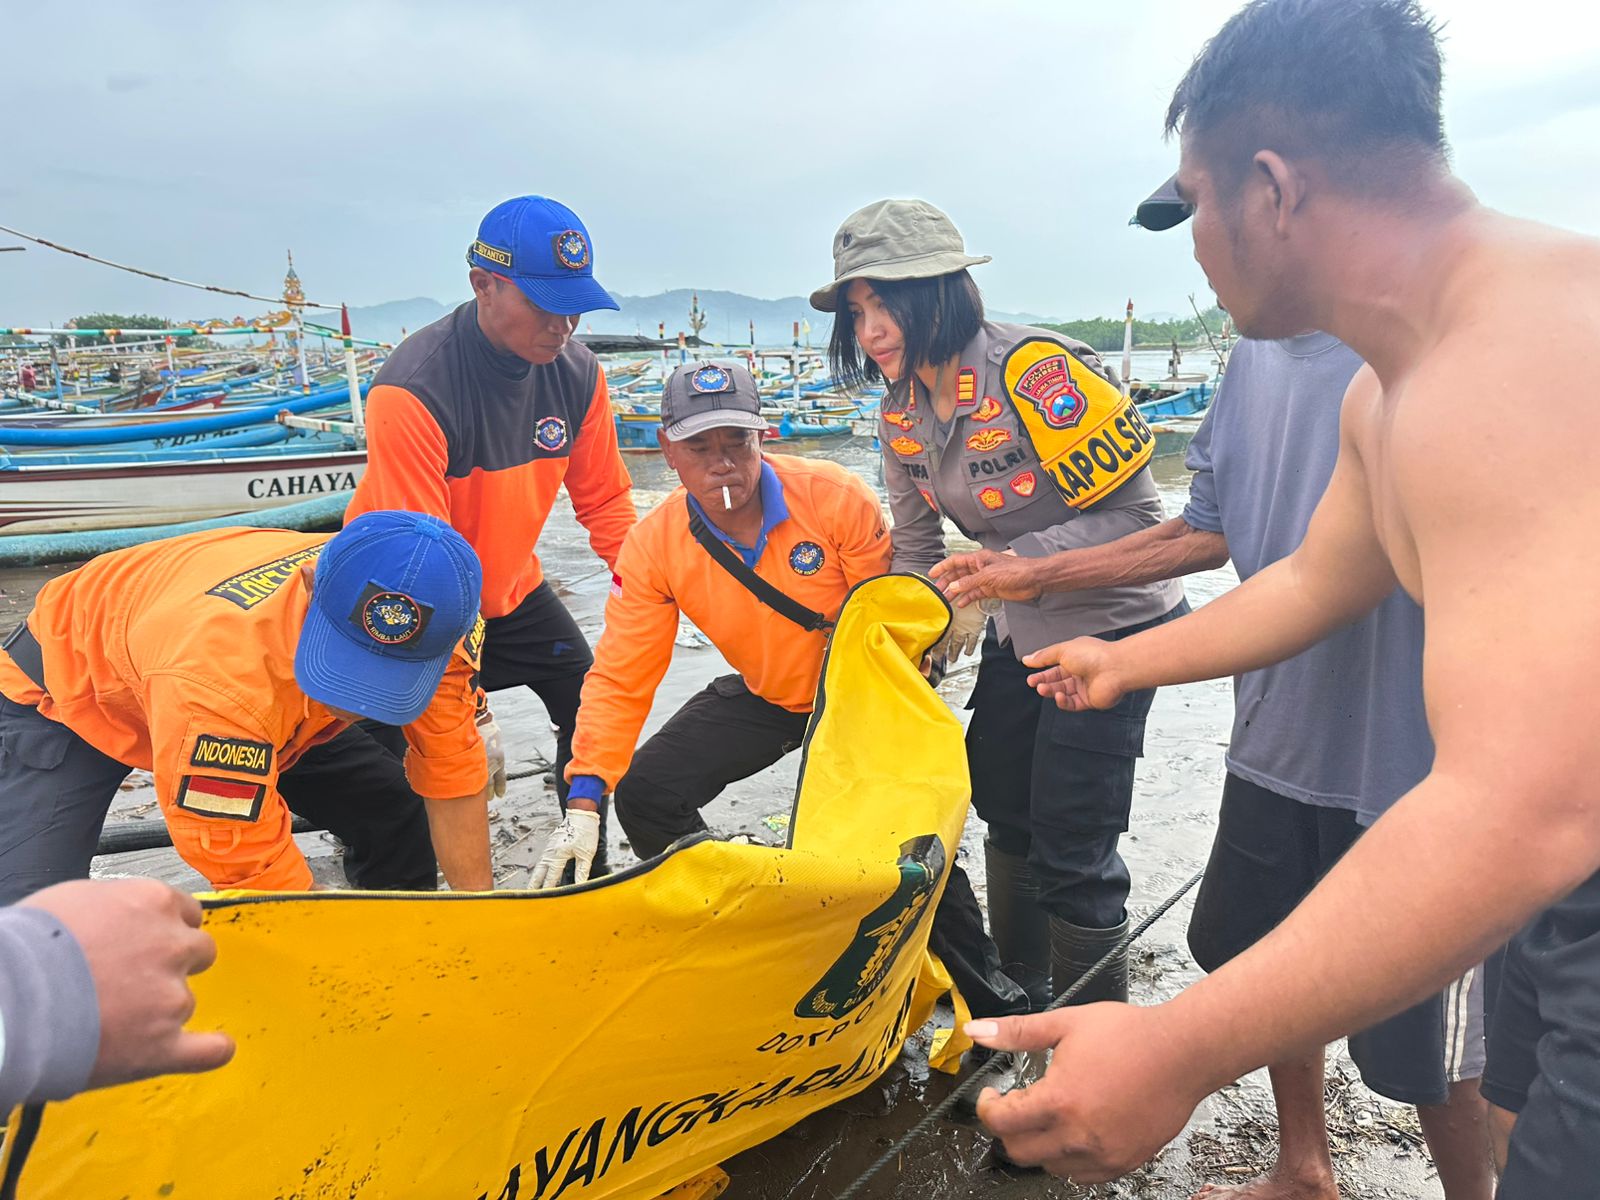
1015, 435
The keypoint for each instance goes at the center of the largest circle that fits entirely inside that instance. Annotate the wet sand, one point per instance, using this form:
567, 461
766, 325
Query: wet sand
1174, 813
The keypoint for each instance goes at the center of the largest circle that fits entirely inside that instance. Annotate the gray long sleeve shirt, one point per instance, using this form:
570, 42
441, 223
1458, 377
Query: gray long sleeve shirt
1341, 725
49, 1011
983, 472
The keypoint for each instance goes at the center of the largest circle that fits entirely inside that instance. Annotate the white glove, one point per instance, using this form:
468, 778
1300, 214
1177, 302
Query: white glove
493, 749
964, 636
576, 841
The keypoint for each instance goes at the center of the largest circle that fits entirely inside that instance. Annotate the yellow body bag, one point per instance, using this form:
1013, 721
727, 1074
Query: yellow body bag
609, 1040
1089, 437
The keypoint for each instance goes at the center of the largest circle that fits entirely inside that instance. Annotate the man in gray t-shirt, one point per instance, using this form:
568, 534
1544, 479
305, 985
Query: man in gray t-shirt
1322, 744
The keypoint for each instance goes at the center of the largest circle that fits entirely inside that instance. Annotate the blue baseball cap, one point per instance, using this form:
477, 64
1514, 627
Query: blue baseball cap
541, 246
393, 595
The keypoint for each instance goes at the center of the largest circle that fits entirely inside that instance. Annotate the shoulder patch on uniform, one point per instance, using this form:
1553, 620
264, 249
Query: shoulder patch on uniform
966, 386
1024, 484
806, 558
550, 433
987, 411
986, 440
232, 754
906, 446
992, 497
229, 799
249, 588
1037, 372
900, 421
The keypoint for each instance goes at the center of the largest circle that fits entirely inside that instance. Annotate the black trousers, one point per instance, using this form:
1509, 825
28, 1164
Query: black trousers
537, 645
55, 790
1057, 787
727, 733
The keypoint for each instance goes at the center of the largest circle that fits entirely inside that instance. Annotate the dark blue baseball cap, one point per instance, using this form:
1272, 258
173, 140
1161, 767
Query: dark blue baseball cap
393, 595
541, 246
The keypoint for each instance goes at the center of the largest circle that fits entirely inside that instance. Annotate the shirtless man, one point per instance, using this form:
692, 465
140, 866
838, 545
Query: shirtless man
1314, 158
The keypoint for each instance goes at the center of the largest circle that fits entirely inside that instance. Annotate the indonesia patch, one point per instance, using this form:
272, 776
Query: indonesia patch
986, 440
232, 754
550, 433
988, 410
992, 497
1024, 484
229, 799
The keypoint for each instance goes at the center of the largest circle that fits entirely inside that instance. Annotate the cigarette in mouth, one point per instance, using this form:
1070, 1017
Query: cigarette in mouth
727, 501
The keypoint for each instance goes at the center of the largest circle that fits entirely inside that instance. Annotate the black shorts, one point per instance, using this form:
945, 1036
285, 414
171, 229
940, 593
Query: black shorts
1269, 852
1544, 1051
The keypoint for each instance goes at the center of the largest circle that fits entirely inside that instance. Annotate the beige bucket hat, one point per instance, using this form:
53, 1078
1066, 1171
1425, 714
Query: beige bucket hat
894, 239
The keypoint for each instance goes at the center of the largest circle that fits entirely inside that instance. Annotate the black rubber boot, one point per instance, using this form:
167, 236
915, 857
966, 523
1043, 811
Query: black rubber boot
1021, 929
1074, 949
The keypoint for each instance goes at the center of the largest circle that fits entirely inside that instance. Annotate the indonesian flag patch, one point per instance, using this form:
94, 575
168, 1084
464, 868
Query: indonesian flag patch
229, 799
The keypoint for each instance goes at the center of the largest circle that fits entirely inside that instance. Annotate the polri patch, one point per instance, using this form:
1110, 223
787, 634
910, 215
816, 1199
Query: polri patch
900, 421
229, 799
550, 434
1048, 386
232, 754
806, 558
992, 498
986, 440
988, 410
1024, 484
905, 446
572, 249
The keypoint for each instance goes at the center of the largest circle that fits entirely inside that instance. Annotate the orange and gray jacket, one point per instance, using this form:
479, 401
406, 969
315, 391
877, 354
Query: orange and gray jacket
1042, 455
177, 656
485, 440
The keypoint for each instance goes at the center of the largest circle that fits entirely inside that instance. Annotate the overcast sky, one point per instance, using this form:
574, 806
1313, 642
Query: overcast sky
712, 145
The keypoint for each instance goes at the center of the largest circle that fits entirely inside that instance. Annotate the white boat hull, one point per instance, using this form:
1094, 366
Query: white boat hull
74, 498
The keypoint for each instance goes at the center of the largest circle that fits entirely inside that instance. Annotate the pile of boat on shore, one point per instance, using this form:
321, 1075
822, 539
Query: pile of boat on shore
98, 453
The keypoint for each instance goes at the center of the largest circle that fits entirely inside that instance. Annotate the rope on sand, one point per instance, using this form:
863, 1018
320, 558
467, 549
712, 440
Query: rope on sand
1005, 1060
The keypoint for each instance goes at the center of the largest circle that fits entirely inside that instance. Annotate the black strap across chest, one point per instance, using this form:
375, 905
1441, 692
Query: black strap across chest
779, 602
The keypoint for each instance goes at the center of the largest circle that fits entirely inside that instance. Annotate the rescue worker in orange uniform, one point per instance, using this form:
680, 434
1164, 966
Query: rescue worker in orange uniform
480, 419
759, 552
215, 660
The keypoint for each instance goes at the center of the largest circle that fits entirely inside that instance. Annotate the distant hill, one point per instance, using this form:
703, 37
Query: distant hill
728, 317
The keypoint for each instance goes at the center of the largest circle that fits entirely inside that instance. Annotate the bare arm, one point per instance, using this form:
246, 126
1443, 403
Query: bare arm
1338, 574
1506, 823
1165, 551
460, 829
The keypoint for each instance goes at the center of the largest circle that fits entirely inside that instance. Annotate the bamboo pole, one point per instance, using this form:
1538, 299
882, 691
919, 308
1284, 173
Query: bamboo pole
357, 414
1127, 348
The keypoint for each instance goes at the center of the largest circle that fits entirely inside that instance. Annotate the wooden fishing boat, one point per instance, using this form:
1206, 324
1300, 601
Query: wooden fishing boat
173, 488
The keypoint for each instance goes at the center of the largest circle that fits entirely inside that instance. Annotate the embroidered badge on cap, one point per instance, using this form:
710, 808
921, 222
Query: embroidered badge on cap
992, 497
1048, 385
572, 249
905, 446
1024, 484
966, 386
986, 440
987, 411
806, 558
392, 618
711, 379
230, 799
493, 253
232, 754
550, 433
